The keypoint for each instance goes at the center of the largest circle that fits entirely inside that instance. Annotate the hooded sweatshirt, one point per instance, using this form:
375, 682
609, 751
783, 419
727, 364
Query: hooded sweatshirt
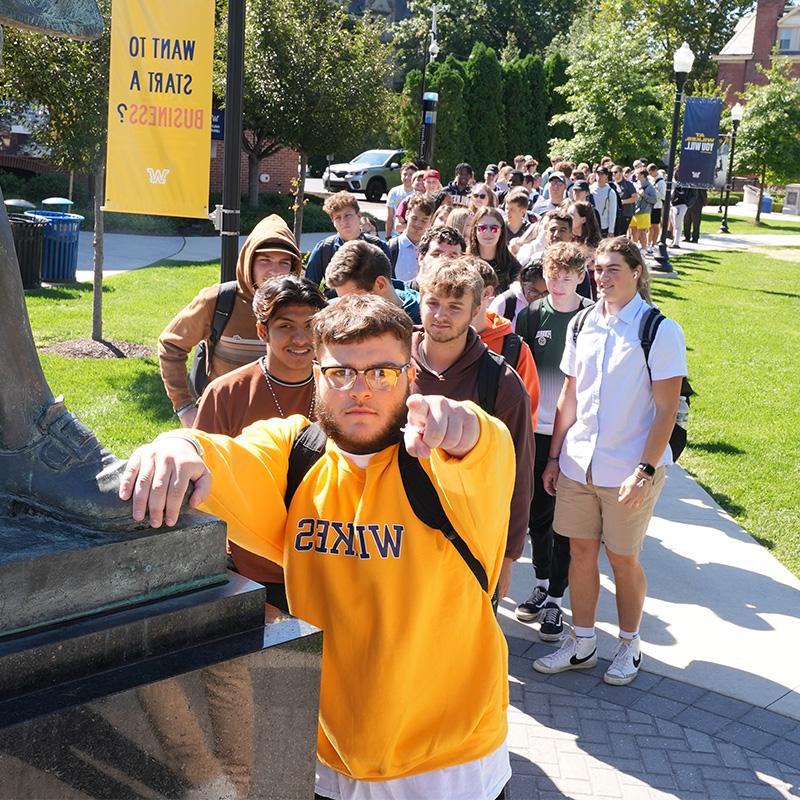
239, 343
512, 407
493, 337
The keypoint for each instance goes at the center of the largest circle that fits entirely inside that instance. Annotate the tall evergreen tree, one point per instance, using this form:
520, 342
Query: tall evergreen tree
484, 107
451, 124
535, 78
555, 72
519, 112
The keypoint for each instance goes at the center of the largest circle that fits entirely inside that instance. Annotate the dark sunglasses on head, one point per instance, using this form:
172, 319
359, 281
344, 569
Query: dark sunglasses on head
483, 228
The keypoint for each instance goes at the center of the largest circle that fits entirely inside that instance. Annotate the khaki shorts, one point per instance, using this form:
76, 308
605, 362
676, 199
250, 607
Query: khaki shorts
586, 511
641, 221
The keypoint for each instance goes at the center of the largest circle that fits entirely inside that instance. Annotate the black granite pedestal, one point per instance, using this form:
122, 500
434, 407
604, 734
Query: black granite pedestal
192, 696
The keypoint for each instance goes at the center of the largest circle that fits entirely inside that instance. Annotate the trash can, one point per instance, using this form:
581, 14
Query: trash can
57, 204
766, 204
60, 254
17, 206
29, 243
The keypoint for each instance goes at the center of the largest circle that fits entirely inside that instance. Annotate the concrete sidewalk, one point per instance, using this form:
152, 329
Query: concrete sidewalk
715, 711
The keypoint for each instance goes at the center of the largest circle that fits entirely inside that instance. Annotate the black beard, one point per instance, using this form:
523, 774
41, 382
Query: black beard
389, 435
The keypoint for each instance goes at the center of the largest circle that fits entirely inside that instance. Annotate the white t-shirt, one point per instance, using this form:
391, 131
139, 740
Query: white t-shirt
615, 407
482, 779
396, 196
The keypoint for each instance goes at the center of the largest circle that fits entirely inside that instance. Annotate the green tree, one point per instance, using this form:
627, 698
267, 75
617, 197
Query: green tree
768, 141
321, 77
535, 78
451, 123
555, 77
518, 112
408, 114
70, 80
484, 107
464, 23
706, 26
616, 102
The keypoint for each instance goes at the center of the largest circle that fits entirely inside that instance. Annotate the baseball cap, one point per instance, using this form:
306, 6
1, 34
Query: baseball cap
557, 176
491, 169
276, 246
581, 186
432, 173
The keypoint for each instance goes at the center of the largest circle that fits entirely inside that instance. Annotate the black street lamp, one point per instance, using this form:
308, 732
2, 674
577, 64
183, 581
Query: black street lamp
425, 148
737, 112
682, 63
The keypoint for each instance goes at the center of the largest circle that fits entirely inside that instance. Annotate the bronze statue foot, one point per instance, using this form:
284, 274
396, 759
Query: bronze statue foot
65, 474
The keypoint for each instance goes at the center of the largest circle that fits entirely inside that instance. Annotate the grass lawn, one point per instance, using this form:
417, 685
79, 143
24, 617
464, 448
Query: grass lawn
738, 311
710, 224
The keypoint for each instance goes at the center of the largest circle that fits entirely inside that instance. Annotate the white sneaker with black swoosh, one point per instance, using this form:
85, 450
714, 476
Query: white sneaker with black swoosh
625, 664
574, 653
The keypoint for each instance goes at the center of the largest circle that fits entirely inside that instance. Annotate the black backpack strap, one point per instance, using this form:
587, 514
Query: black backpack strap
528, 321
512, 347
489, 373
223, 308
510, 306
648, 327
427, 506
307, 449
580, 321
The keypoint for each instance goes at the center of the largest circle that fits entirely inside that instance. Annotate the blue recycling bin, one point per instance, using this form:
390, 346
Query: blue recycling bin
60, 254
766, 204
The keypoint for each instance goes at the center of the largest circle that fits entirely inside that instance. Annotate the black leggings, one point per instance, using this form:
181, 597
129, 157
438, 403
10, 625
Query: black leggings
550, 549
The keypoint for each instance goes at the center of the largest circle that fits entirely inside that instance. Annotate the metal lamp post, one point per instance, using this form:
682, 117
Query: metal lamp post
425, 148
682, 63
737, 112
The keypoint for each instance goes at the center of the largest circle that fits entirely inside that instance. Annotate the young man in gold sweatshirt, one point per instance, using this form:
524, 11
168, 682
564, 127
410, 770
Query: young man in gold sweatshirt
410, 696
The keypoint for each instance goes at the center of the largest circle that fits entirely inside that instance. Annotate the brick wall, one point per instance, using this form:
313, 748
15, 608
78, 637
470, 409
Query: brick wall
768, 12
281, 168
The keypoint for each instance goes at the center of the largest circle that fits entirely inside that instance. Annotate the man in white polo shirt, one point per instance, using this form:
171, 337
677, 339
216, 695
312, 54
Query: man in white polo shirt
609, 452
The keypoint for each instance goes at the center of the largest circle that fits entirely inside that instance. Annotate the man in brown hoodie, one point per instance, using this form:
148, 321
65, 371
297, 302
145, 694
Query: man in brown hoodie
270, 251
447, 353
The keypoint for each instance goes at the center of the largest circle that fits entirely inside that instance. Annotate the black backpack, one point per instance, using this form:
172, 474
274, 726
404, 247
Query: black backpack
307, 449
204, 352
648, 328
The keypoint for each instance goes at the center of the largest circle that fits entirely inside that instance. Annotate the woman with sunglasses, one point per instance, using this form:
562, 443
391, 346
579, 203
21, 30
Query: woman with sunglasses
488, 240
481, 196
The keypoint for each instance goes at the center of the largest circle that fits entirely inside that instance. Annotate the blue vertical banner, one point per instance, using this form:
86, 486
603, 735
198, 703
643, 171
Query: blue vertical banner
699, 142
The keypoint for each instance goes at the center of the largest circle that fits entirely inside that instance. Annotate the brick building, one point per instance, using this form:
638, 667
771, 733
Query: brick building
772, 24
275, 171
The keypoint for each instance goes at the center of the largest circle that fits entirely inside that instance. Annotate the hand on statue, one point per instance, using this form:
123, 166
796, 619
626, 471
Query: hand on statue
157, 477
436, 422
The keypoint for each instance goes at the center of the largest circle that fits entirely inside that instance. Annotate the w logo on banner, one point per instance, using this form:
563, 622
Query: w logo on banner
158, 176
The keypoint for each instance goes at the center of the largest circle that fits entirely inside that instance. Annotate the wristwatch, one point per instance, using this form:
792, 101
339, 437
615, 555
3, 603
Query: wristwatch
647, 469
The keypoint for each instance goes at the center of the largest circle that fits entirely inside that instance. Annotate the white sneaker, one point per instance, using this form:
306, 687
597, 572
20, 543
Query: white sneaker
625, 664
574, 653
650, 250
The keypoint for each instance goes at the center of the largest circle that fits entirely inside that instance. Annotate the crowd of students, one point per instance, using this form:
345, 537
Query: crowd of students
522, 298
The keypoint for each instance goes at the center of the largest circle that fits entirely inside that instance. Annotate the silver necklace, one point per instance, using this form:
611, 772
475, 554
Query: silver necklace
263, 364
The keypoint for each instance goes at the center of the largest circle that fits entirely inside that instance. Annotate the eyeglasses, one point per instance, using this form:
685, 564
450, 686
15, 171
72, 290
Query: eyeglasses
481, 195
378, 379
485, 228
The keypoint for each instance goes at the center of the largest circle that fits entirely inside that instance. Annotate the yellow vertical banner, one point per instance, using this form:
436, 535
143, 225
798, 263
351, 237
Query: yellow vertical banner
159, 107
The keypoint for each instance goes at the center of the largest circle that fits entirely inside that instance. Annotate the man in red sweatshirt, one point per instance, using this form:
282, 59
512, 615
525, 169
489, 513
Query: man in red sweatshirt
448, 353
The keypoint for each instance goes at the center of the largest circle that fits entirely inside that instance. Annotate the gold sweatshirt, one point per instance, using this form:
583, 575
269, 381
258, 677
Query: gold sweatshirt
414, 666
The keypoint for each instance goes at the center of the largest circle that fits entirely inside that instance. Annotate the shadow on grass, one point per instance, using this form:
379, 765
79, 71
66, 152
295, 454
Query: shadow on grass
659, 293
724, 448
145, 391
66, 291
751, 289
733, 508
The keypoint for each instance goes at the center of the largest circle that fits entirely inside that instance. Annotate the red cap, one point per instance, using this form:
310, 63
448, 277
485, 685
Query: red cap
432, 173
